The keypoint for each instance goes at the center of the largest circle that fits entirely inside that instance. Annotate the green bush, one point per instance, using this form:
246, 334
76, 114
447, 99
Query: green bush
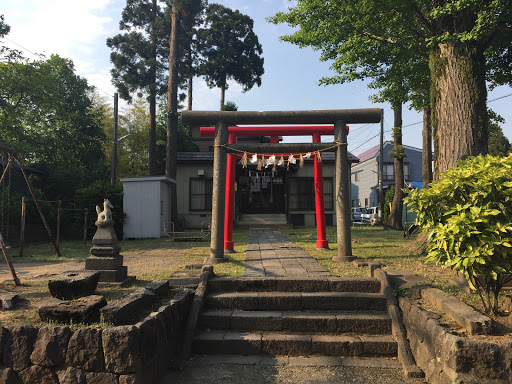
468, 214
388, 199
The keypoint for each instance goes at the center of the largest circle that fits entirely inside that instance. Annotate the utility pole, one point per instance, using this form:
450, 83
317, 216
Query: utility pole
381, 168
113, 175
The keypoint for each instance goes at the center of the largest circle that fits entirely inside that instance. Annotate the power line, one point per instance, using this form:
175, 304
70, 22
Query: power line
498, 98
22, 47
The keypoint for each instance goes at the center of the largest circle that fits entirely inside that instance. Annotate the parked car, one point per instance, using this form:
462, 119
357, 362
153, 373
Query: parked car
357, 212
370, 215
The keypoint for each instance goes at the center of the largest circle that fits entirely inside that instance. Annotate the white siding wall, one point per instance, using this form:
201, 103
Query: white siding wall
368, 179
146, 203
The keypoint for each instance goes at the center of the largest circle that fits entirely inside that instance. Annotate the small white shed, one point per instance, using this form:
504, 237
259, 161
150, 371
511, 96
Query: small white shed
146, 203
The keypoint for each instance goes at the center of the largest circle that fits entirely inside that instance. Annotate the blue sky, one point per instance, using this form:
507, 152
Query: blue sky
78, 30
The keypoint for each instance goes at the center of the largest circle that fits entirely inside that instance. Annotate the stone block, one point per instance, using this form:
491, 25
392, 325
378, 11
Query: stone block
83, 310
279, 301
74, 284
379, 346
159, 287
121, 348
8, 299
8, 376
479, 359
148, 338
72, 375
474, 322
128, 379
85, 350
301, 285
285, 344
51, 346
334, 345
236, 343
103, 262
208, 342
248, 301
113, 275
309, 322
18, 346
256, 320
218, 319
37, 374
3, 333
125, 310
100, 378
354, 284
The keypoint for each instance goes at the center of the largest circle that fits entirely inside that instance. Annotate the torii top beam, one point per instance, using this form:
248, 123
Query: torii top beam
349, 116
273, 131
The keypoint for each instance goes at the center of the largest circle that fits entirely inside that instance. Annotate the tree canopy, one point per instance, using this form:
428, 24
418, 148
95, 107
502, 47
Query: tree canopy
230, 49
464, 39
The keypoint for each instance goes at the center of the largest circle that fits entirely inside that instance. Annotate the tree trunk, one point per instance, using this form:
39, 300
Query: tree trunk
190, 83
222, 94
152, 99
458, 100
152, 132
427, 148
190, 76
172, 113
395, 216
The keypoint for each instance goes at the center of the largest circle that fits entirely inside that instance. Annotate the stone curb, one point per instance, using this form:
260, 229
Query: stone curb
405, 356
474, 322
193, 315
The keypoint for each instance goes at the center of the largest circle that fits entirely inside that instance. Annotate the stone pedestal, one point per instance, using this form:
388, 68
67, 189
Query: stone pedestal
105, 256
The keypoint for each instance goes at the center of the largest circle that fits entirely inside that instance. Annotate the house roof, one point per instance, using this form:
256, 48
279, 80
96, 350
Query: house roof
372, 152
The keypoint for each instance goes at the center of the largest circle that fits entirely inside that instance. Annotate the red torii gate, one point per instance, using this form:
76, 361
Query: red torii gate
274, 132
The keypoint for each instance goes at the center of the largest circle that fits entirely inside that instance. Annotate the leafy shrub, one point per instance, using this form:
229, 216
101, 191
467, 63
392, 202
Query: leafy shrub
469, 216
388, 199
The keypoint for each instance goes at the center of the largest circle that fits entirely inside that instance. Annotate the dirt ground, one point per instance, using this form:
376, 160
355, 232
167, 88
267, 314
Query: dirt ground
145, 264
296, 370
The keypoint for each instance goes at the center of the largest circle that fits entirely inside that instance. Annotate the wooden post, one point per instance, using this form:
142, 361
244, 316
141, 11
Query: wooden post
17, 282
22, 229
39, 208
59, 212
86, 212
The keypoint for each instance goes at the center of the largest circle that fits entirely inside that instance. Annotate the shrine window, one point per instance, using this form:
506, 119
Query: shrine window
201, 194
302, 194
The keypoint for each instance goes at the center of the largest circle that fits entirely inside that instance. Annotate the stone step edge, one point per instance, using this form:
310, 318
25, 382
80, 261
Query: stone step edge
373, 322
271, 343
296, 301
300, 284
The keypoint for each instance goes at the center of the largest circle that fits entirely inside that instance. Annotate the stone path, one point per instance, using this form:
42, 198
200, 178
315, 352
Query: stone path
271, 254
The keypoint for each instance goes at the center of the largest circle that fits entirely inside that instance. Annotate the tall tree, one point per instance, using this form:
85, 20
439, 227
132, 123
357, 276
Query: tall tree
464, 40
398, 154
230, 50
47, 113
139, 55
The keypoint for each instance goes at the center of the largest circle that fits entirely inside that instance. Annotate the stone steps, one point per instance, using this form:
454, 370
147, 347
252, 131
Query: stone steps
299, 284
273, 343
337, 322
305, 316
265, 301
262, 219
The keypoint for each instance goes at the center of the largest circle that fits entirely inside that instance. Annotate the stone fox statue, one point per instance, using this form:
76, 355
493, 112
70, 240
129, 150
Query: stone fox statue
106, 214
